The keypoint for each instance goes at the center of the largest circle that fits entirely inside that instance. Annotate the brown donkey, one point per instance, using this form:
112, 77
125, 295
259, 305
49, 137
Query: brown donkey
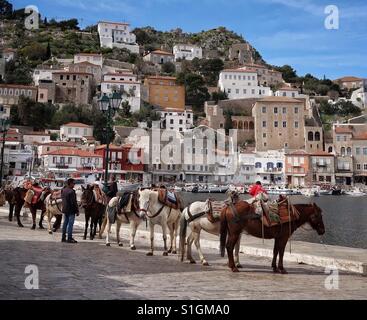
239, 218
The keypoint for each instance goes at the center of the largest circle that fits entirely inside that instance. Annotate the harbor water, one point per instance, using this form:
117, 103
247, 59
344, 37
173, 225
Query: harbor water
345, 218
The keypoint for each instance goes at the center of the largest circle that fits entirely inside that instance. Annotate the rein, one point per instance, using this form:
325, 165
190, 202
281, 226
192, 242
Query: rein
154, 215
199, 215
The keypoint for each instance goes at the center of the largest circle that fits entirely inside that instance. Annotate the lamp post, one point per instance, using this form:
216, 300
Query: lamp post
108, 105
4, 127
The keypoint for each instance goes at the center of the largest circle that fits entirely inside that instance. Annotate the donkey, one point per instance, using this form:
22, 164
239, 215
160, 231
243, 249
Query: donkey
239, 218
94, 211
161, 214
122, 216
198, 216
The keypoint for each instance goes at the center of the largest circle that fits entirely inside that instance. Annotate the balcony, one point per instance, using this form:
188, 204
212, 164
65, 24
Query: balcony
62, 166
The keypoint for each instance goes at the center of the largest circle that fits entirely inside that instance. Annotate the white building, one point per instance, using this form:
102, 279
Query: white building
73, 160
43, 73
176, 119
75, 131
246, 169
241, 84
287, 92
36, 138
359, 96
117, 35
187, 52
127, 84
94, 58
159, 57
270, 167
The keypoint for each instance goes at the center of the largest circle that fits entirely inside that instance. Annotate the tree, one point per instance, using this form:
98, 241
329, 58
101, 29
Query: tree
196, 91
18, 72
221, 95
48, 51
210, 69
33, 114
169, 68
6, 9
289, 74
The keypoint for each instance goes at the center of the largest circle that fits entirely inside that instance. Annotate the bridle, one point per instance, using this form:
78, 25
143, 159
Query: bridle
154, 215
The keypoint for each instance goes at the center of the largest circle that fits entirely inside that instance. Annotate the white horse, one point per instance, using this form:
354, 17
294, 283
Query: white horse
54, 206
196, 217
158, 213
132, 218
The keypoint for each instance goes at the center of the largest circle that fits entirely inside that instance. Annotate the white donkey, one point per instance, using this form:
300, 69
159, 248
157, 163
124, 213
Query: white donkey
131, 217
54, 205
196, 217
158, 213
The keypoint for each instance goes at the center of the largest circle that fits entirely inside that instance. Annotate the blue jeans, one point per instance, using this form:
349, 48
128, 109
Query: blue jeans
68, 225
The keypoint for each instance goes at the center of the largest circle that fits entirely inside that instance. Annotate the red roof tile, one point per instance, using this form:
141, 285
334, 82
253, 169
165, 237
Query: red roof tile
73, 152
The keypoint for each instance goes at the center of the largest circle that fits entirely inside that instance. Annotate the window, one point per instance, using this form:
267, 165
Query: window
284, 110
263, 109
365, 151
53, 159
275, 110
349, 151
365, 166
264, 124
317, 136
70, 160
310, 136
284, 124
276, 124
358, 151
69, 130
296, 124
264, 135
258, 165
342, 151
244, 91
296, 108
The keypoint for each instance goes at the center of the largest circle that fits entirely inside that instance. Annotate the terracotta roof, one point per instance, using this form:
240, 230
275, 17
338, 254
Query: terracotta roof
160, 52
343, 130
17, 86
288, 89
120, 74
279, 99
362, 136
240, 70
58, 144
321, 154
73, 152
121, 81
77, 124
117, 23
36, 134
89, 54
112, 147
349, 79
161, 78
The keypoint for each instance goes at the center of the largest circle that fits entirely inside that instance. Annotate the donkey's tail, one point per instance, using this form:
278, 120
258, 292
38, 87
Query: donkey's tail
103, 227
183, 231
223, 232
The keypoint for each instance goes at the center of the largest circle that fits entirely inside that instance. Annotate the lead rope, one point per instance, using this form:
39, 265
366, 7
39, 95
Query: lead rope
290, 226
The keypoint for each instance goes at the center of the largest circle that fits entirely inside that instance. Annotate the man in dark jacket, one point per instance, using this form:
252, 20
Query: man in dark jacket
70, 209
113, 188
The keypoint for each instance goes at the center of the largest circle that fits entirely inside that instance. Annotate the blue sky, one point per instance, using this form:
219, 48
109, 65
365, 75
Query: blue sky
283, 31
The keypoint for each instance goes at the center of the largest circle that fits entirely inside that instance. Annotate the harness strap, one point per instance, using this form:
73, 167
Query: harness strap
157, 214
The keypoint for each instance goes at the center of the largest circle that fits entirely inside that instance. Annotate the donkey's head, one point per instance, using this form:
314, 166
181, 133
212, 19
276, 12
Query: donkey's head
315, 219
144, 202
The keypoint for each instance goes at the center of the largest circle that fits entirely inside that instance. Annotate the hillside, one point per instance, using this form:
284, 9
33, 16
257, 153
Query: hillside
65, 39
219, 39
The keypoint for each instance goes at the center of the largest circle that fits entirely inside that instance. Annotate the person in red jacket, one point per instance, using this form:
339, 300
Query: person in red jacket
256, 189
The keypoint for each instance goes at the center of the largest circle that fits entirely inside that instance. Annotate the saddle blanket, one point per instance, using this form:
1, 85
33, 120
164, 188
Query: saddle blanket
169, 199
118, 205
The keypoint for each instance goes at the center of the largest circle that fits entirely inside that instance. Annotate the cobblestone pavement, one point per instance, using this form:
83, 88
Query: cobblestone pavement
90, 270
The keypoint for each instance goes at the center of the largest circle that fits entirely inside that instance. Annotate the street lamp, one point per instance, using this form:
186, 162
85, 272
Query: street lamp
109, 105
4, 127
